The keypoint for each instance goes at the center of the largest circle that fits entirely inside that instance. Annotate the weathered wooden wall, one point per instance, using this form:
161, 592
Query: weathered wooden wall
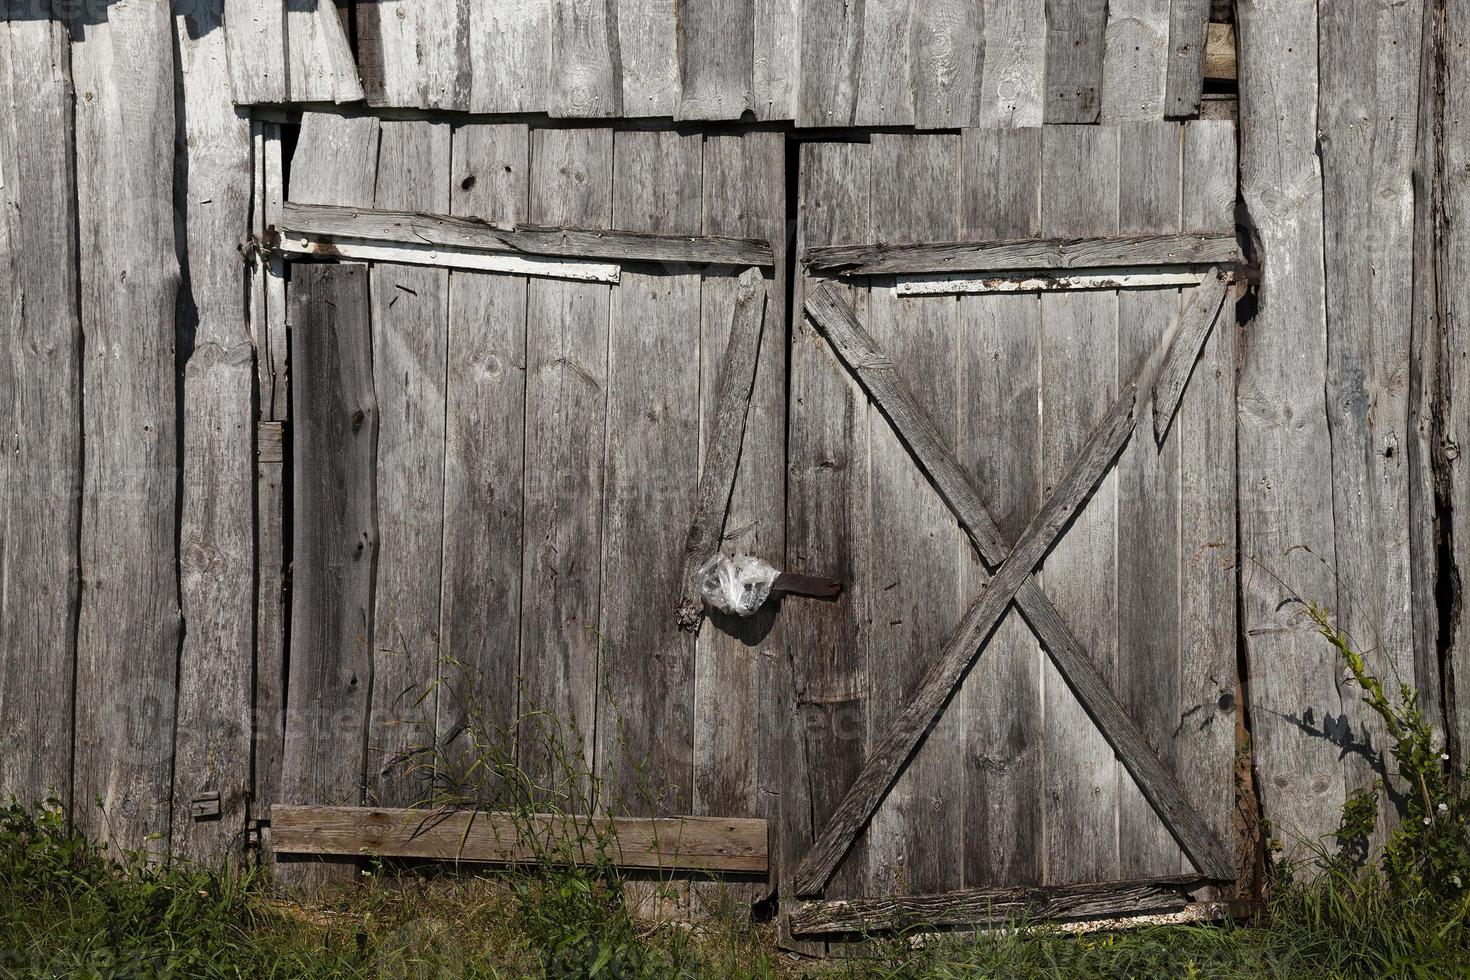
151, 480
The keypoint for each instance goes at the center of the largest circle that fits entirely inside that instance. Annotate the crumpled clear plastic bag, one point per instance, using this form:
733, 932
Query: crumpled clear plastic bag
739, 584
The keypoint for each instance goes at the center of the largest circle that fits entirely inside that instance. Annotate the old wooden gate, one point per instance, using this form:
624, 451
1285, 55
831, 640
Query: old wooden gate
987, 315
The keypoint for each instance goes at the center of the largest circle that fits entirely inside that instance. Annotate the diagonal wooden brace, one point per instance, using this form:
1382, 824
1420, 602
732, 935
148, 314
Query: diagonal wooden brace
1013, 580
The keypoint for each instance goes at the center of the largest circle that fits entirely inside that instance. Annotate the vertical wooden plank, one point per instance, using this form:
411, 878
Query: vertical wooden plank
776, 72
1135, 60
645, 42
510, 48
734, 752
255, 39
415, 53
831, 49
716, 58
1285, 474
1079, 379
1185, 75
1151, 644
566, 399
128, 626
40, 395
914, 573
484, 429
884, 95
1205, 741
1074, 60
828, 532
946, 49
1013, 73
318, 55
336, 160
588, 79
1369, 67
410, 326
217, 532
998, 444
335, 429
645, 716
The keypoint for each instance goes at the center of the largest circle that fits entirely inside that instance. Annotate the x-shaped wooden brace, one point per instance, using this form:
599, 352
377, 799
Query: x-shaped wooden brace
1012, 581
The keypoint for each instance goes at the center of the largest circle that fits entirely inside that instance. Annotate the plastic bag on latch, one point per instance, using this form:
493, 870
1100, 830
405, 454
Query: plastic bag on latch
736, 585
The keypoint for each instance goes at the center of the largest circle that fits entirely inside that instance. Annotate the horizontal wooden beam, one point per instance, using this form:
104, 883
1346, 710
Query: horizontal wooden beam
328, 222
1123, 277
882, 258
447, 257
728, 844
995, 906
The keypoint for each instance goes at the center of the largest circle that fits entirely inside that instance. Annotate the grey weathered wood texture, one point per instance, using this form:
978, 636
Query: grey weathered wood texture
1100, 252
128, 622
919, 713
213, 731
734, 385
646, 707
946, 47
419, 228
40, 396
335, 434
1452, 254
1184, 80
1284, 485
584, 45
681, 843
410, 337
318, 54
484, 455
415, 53
1192, 329
566, 399
1074, 60
1135, 61
716, 50
995, 906
510, 45
255, 39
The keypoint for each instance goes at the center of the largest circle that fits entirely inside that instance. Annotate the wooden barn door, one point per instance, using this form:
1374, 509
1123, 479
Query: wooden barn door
988, 444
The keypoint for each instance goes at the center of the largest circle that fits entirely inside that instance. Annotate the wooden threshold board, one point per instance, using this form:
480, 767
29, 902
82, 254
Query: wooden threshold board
729, 844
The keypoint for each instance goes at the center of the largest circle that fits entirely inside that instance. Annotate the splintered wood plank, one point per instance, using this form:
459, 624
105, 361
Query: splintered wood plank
566, 398
410, 317
484, 454
128, 620
1150, 642
1013, 73
1074, 60
996, 906
831, 47
472, 232
998, 445
448, 257
217, 524
884, 95
1370, 86
725, 844
1009, 257
40, 397
716, 58
738, 686
898, 742
509, 53
334, 443
829, 532
1184, 74
319, 57
946, 49
588, 77
1204, 746
1079, 378
776, 72
645, 718
336, 160
255, 38
917, 546
648, 33
415, 53
1135, 60
1287, 530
